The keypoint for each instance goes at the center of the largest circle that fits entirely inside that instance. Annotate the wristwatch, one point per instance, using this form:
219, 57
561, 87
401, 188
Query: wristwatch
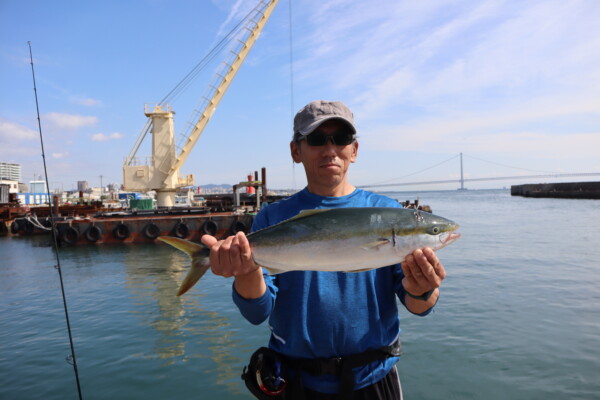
425, 296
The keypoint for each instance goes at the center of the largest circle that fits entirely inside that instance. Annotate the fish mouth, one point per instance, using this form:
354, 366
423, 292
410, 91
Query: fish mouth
449, 237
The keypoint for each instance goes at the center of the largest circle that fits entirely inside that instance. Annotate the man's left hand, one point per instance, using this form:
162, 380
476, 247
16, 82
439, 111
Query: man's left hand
422, 272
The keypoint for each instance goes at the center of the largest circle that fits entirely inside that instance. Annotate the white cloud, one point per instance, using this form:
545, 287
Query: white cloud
237, 11
454, 52
11, 131
522, 128
88, 102
68, 121
60, 155
101, 137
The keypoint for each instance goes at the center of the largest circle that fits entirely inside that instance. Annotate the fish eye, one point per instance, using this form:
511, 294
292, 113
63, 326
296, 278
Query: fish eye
435, 230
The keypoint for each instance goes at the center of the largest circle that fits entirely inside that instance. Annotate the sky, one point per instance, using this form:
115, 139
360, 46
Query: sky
513, 85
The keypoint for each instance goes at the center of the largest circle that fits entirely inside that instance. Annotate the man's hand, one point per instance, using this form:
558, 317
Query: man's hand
422, 272
233, 257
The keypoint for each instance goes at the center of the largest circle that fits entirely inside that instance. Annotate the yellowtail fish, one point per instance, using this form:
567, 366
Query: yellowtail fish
336, 239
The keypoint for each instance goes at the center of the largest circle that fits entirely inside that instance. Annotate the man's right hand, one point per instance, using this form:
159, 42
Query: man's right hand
233, 257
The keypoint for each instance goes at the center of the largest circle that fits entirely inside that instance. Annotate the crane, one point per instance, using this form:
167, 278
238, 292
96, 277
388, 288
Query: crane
161, 173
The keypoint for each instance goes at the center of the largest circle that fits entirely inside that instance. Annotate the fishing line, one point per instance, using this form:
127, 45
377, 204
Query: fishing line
71, 359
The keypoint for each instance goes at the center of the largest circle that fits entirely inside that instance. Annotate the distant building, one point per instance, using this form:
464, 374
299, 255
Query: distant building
13, 186
83, 186
38, 187
10, 171
33, 198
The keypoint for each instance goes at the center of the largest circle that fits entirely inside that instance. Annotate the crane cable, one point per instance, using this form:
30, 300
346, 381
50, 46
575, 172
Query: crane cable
71, 359
185, 82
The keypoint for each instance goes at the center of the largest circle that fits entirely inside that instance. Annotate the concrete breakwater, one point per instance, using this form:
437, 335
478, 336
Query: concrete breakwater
567, 190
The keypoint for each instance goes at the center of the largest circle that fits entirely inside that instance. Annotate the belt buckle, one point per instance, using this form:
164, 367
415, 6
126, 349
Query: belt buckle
337, 365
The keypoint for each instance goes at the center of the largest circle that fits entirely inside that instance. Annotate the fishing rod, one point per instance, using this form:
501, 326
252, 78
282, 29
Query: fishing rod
71, 359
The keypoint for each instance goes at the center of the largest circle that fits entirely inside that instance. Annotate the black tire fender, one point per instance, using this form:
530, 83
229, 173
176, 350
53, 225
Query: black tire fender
121, 231
93, 233
237, 226
181, 230
151, 231
209, 227
69, 235
15, 227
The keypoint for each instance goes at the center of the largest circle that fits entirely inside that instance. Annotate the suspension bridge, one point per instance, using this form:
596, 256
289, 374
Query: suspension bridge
462, 180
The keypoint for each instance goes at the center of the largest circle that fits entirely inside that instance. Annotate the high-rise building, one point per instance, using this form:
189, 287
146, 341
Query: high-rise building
10, 171
82, 186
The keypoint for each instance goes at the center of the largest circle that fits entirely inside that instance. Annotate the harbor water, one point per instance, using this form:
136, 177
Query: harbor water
518, 317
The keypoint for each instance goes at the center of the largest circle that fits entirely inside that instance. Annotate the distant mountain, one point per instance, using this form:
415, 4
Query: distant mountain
215, 186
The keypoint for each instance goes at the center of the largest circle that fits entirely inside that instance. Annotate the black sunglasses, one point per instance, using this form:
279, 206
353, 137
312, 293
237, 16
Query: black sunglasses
341, 137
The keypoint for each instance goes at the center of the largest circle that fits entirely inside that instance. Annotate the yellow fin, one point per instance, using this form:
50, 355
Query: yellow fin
199, 254
359, 270
274, 271
189, 248
308, 213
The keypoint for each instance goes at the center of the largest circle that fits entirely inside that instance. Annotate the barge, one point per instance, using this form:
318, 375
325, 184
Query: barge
146, 226
221, 216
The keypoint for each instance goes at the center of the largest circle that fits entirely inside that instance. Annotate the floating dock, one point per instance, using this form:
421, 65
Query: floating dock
221, 219
567, 190
146, 226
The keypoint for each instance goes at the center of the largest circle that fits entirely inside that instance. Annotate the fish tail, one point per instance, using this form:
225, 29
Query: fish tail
199, 254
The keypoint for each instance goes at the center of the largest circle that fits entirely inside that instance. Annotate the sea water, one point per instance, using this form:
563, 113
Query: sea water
518, 316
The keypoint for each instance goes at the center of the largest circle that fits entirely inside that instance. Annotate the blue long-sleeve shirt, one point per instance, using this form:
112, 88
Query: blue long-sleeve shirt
329, 314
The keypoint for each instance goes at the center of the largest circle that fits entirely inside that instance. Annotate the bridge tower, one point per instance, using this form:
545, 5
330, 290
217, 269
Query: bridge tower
462, 178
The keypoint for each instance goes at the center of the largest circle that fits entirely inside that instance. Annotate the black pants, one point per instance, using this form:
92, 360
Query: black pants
386, 389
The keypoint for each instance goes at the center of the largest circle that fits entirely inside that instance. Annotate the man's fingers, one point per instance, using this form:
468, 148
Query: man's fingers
231, 256
408, 265
420, 267
438, 268
244, 246
208, 240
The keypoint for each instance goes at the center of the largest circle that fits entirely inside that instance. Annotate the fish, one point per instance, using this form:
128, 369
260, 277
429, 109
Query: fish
333, 239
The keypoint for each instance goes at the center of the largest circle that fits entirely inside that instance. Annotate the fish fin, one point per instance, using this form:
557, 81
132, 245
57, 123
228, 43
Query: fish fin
274, 271
199, 254
301, 214
359, 270
189, 248
375, 245
199, 267
308, 213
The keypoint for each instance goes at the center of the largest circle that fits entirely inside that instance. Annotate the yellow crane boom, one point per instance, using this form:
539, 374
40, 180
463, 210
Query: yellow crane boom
162, 174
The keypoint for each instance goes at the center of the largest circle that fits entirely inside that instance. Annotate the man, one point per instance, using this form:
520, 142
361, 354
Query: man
318, 317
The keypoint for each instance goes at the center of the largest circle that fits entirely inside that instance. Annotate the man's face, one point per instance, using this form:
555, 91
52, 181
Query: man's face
325, 166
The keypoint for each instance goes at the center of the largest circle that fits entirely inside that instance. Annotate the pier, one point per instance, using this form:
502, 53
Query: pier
566, 190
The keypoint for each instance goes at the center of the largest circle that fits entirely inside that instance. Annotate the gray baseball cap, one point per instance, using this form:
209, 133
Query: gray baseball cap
316, 112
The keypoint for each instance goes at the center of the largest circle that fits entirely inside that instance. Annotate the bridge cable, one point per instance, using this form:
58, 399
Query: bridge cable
71, 359
414, 173
509, 166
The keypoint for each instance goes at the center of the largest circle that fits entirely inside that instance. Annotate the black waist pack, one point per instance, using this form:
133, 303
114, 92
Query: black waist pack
265, 375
